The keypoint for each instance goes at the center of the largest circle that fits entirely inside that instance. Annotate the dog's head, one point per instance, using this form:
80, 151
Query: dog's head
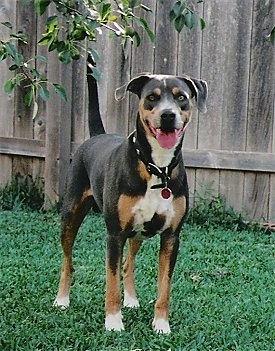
165, 105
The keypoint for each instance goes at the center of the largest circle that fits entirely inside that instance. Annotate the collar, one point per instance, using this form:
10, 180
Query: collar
163, 173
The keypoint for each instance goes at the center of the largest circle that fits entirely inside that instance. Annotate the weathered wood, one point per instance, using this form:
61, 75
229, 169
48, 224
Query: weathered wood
256, 196
230, 149
260, 106
7, 13
230, 160
166, 54
22, 147
23, 123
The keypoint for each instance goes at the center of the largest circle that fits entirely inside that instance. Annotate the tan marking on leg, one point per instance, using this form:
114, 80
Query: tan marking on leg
113, 317
130, 298
68, 234
160, 322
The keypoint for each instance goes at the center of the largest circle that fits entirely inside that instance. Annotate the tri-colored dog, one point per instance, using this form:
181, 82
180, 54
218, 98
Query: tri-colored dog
140, 185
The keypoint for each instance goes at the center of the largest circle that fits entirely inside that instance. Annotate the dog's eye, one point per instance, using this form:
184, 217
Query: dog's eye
181, 97
152, 97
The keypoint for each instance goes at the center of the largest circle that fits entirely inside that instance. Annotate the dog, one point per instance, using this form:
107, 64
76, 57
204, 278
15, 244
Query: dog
140, 185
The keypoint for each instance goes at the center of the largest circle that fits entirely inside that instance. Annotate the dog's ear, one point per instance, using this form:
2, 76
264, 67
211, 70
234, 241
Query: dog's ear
199, 90
135, 86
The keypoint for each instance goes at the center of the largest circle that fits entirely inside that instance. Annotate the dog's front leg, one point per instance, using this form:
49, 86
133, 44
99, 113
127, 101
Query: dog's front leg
113, 318
130, 298
167, 259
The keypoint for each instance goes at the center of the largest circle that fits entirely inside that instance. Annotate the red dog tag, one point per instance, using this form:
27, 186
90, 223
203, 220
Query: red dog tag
166, 193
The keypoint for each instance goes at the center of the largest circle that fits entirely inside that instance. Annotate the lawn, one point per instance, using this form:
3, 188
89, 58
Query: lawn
223, 293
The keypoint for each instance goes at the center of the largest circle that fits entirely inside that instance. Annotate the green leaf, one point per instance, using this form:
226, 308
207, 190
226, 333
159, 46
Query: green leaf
96, 73
41, 5
52, 20
74, 53
94, 54
179, 23
11, 50
9, 85
35, 110
177, 10
271, 36
41, 58
7, 24
145, 26
136, 39
53, 44
60, 91
13, 67
65, 56
189, 20
28, 96
44, 93
202, 23
21, 37
46, 39
34, 73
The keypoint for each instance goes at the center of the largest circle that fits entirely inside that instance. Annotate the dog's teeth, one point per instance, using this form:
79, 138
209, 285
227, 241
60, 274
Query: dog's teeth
114, 322
161, 326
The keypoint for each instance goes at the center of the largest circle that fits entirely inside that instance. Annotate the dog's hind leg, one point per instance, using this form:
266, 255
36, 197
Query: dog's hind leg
130, 298
75, 208
113, 319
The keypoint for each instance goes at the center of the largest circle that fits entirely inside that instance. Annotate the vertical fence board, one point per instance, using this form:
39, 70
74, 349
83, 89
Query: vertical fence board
234, 99
260, 107
23, 123
78, 98
7, 13
167, 41
142, 60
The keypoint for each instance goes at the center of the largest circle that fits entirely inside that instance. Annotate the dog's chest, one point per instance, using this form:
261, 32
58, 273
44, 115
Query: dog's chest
152, 213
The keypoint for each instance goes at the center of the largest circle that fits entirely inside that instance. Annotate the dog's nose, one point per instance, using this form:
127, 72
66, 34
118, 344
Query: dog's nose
168, 116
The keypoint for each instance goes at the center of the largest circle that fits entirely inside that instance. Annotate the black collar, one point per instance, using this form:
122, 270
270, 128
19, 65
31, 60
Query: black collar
164, 173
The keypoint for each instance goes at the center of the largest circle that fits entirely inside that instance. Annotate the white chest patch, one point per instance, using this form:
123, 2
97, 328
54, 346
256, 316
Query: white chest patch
150, 204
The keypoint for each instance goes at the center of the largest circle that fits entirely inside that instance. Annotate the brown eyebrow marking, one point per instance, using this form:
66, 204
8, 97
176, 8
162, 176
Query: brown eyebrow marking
176, 90
157, 91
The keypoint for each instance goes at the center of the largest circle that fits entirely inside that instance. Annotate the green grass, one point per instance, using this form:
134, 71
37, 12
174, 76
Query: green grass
223, 293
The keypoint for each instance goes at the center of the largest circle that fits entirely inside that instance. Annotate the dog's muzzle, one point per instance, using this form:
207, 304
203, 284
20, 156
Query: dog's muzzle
167, 121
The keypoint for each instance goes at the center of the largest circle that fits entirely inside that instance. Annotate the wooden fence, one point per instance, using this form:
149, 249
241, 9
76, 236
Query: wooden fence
230, 150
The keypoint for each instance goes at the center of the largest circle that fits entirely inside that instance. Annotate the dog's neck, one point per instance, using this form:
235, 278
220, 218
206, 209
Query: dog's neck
150, 152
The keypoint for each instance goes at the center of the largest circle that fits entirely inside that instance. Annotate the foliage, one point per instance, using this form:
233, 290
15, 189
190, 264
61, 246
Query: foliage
222, 292
212, 212
74, 23
22, 192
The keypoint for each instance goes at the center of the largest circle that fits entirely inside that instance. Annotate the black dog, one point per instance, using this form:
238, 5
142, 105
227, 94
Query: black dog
140, 185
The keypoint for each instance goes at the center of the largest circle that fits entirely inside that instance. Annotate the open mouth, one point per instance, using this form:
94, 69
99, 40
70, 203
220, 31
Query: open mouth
167, 139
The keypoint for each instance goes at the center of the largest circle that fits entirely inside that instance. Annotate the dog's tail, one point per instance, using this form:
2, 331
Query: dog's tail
94, 118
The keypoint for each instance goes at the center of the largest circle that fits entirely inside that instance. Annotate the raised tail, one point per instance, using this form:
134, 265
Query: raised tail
94, 118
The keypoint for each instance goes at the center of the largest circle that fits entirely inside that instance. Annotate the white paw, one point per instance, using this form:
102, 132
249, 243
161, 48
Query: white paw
114, 322
62, 302
130, 301
161, 326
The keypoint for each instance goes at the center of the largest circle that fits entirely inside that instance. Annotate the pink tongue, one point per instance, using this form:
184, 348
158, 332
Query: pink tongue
166, 140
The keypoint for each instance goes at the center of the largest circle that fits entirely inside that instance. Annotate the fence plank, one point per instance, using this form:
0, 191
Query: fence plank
7, 13
261, 106
23, 123
167, 41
